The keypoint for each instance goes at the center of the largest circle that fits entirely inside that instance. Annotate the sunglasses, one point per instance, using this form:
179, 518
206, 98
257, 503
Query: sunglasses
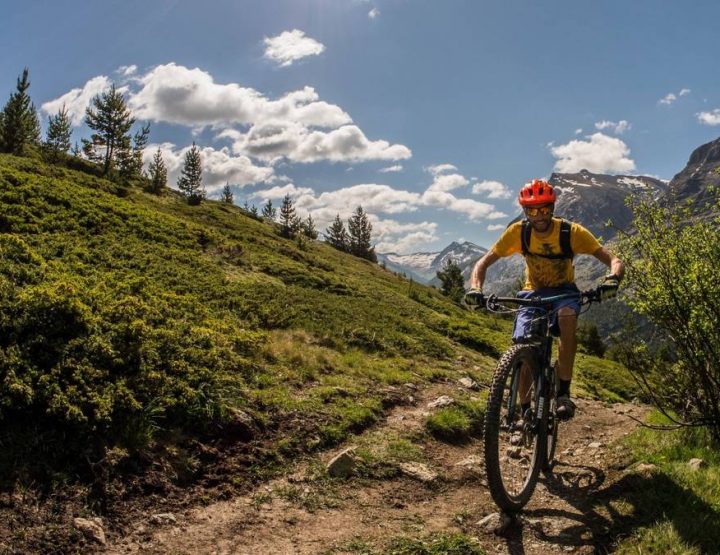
543, 211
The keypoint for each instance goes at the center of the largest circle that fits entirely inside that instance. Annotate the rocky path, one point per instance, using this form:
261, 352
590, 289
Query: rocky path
442, 491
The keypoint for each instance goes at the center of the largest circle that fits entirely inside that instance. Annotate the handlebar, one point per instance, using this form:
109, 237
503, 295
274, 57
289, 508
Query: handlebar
493, 302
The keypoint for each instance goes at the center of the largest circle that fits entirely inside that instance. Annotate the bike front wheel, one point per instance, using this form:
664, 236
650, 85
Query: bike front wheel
515, 443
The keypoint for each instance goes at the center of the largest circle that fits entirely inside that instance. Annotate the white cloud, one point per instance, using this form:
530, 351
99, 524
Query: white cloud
176, 94
77, 100
279, 192
494, 189
600, 154
448, 182
127, 71
495, 227
672, 97
290, 46
618, 128
392, 169
709, 118
372, 14
578, 130
473, 209
441, 168
219, 166
393, 236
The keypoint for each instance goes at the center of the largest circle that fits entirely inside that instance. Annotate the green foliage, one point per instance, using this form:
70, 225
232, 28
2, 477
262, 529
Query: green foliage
111, 120
453, 284
289, 221
19, 124
227, 195
308, 228
269, 212
360, 235
442, 544
190, 181
157, 174
673, 264
589, 340
58, 134
337, 236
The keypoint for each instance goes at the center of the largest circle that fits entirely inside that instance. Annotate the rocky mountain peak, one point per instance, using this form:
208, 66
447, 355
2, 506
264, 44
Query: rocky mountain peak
701, 173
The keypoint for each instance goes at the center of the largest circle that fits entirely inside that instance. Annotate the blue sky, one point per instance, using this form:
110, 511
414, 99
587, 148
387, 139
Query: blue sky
430, 114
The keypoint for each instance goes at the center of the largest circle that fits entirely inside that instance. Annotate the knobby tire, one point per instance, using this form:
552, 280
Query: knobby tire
497, 463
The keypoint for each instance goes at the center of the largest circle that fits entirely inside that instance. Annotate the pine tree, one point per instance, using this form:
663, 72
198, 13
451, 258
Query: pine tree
190, 182
19, 125
157, 173
289, 221
337, 236
308, 228
360, 230
59, 130
227, 194
254, 211
269, 212
111, 120
453, 284
130, 155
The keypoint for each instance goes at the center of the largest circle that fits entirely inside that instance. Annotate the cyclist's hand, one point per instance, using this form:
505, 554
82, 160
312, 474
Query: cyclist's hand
475, 297
609, 287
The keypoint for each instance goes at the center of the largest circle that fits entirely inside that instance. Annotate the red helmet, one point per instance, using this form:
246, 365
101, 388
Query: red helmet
536, 193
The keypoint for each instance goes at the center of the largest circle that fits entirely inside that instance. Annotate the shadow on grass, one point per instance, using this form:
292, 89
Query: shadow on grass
604, 516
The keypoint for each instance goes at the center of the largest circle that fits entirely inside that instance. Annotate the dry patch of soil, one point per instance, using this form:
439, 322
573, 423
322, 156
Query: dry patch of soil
304, 512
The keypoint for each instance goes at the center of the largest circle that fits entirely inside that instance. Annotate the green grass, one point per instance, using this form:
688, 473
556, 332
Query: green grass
674, 509
438, 544
457, 422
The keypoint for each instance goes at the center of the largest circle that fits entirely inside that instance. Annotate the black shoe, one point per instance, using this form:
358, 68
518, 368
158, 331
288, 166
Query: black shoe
565, 407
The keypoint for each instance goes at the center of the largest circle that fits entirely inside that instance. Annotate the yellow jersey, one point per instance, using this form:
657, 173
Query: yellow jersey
546, 272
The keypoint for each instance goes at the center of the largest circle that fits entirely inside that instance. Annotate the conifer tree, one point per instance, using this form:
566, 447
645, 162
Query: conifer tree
337, 235
254, 211
59, 130
227, 195
289, 221
453, 284
190, 181
157, 173
308, 228
111, 120
19, 125
130, 154
268, 211
360, 230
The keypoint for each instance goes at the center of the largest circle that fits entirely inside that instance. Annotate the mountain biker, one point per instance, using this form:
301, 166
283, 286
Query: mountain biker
548, 253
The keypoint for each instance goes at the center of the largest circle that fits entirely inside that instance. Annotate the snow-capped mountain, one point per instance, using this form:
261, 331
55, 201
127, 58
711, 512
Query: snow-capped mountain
423, 266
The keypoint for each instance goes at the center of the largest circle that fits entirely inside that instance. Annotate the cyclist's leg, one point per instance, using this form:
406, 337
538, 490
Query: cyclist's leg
567, 346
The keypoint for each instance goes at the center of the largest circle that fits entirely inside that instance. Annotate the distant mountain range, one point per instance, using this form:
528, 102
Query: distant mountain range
594, 200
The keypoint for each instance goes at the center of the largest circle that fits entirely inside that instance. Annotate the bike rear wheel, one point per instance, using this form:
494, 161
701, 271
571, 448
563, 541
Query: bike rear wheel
514, 454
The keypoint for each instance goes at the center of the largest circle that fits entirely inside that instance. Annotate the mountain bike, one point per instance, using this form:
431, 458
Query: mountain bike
518, 446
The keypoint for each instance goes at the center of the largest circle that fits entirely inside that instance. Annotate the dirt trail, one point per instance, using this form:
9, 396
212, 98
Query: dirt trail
302, 513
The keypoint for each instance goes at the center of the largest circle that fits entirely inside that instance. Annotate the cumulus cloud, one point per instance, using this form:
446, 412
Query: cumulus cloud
372, 14
473, 209
279, 192
391, 169
441, 168
578, 131
175, 94
77, 100
448, 182
672, 97
219, 166
495, 227
709, 118
494, 189
273, 140
618, 128
599, 154
127, 71
290, 46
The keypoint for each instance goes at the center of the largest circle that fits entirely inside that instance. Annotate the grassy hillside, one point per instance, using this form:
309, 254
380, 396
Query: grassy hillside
135, 331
